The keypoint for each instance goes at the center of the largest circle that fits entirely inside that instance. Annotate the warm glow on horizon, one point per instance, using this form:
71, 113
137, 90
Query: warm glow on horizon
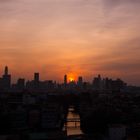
71, 79
77, 37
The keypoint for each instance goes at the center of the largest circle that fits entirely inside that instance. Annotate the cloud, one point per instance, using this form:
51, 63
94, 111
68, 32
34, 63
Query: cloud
120, 7
84, 36
5, 1
115, 3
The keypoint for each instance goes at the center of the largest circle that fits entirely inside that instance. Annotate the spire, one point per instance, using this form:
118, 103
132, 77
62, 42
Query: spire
6, 70
65, 79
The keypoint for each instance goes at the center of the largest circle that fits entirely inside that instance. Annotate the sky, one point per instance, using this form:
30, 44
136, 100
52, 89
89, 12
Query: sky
74, 37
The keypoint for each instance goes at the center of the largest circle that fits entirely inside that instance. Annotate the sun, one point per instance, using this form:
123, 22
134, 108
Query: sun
71, 79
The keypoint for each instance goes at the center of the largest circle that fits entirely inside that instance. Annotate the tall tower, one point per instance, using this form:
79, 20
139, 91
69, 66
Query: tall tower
36, 81
6, 70
36, 77
80, 81
65, 80
6, 79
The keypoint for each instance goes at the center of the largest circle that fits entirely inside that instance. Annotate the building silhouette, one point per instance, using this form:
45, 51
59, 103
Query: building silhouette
6, 79
80, 81
36, 84
97, 82
21, 84
65, 80
36, 80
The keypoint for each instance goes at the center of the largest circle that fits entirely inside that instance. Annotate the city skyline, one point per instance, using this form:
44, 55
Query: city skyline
67, 78
69, 83
77, 37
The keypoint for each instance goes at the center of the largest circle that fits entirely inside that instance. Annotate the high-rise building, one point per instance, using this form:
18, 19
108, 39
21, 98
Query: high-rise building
21, 83
36, 77
36, 80
6, 79
6, 71
80, 81
65, 80
1, 83
97, 82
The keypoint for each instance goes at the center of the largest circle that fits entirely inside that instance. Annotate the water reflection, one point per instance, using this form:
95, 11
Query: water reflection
73, 128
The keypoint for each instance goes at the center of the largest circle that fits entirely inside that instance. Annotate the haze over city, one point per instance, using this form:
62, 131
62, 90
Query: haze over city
74, 37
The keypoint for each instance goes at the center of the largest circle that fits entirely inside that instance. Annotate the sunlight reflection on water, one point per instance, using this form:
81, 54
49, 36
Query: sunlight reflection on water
71, 129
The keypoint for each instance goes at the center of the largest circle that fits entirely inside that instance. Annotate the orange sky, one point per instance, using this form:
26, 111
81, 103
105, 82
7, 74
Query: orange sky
82, 37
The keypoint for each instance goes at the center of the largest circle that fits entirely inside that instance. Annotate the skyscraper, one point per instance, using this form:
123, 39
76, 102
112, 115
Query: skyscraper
6, 71
80, 81
36, 77
6, 79
97, 82
36, 80
21, 83
65, 80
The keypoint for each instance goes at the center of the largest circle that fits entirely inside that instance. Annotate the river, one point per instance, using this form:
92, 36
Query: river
73, 128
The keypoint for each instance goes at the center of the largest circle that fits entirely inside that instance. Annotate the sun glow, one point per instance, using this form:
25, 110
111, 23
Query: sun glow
71, 79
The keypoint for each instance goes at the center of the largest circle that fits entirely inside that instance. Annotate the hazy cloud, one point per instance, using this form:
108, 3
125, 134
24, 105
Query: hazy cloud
114, 3
81, 36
